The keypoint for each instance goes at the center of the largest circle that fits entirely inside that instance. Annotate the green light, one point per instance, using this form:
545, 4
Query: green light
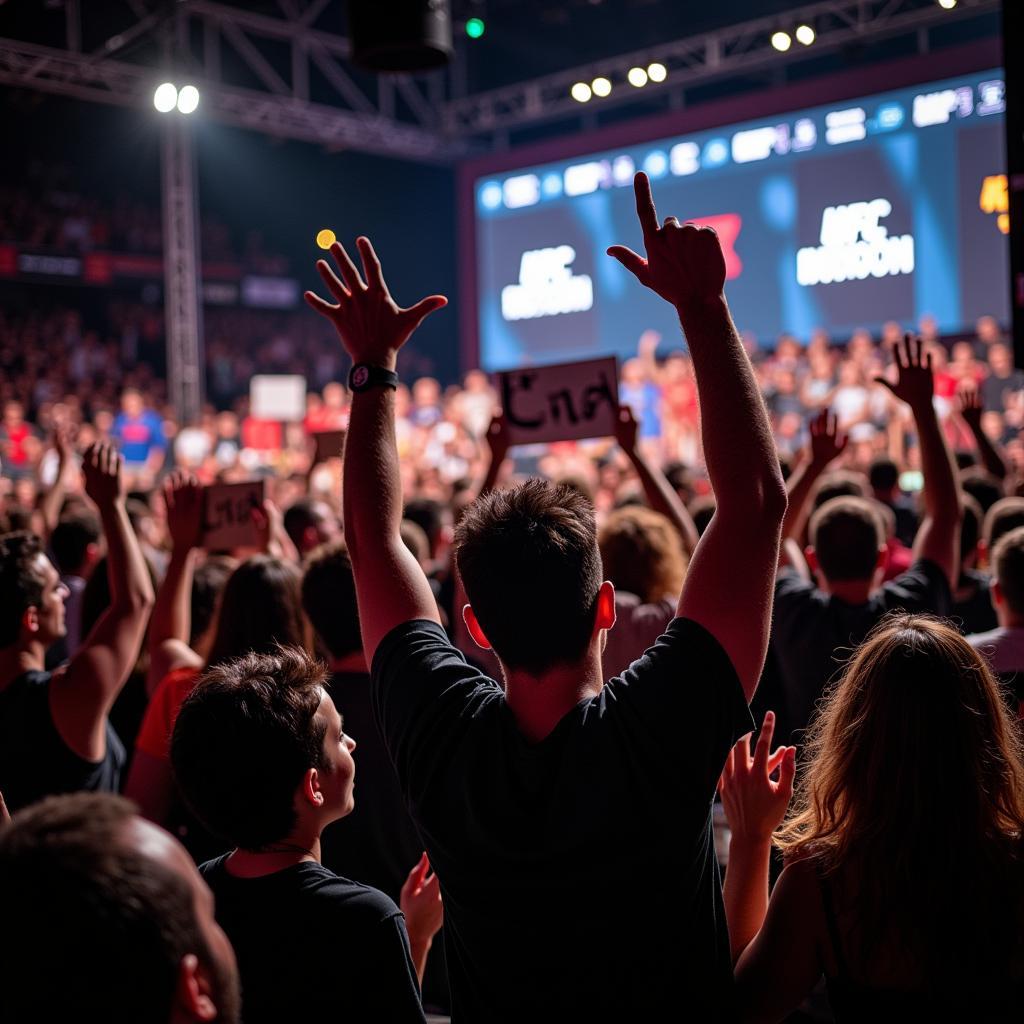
475, 28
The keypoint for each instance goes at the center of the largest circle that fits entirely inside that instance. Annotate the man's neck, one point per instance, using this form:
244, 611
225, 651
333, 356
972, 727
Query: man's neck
300, 847
539, 703
18, 659
849, 591
353, 662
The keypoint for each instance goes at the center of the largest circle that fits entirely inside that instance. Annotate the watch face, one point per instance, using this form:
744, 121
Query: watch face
360, 375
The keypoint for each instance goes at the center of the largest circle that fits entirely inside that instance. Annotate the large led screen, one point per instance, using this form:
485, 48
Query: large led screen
883, 208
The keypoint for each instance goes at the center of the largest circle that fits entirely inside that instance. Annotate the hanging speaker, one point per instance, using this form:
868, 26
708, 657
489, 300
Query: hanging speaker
400, 35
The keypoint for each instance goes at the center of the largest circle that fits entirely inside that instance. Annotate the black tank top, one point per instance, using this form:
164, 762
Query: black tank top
34, 759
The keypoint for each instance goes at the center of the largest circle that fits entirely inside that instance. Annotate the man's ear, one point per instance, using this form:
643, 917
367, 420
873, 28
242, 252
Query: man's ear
310, 789
30, 619
194, 993
469, 618
605, 617
982, 553
996, 594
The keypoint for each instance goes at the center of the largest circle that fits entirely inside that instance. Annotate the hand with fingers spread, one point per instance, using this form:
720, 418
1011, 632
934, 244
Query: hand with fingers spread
971, 408
420, 902
754, 804
684, 265
626, 428
827, 443
372, 326
915, 384
183, 496
102, 468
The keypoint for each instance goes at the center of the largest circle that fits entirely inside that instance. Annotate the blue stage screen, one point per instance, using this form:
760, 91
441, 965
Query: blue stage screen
843, 216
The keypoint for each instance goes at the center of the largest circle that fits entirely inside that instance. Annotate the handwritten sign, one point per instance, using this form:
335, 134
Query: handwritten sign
227, 515
564, 402
329, 445
278, 396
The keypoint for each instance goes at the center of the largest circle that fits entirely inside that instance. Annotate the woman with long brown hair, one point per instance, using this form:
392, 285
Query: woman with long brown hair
904, 883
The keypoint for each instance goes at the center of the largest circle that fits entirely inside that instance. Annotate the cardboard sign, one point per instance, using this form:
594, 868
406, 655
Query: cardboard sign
274, 396
329, 445
227, 515
564, 402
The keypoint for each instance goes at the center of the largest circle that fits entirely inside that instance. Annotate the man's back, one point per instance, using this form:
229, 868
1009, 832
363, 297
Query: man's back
314, 946
578, 873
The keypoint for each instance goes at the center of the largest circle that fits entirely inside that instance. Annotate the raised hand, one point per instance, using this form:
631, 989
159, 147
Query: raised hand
183, 497
103, 469
914, 382
497, 437
684, 264
754, 804
827, 443
372, 326
626, 429
420, 901
971, 408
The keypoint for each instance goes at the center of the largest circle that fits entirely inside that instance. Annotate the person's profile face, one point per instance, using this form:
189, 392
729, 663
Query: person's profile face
338, 777
51, 606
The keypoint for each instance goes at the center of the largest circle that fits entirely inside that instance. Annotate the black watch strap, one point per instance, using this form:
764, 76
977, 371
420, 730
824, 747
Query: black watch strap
363, 376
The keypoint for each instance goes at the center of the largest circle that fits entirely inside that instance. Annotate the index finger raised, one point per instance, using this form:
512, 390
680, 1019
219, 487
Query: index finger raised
645, 210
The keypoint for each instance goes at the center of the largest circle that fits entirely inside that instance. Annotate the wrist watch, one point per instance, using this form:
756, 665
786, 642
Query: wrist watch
362, 377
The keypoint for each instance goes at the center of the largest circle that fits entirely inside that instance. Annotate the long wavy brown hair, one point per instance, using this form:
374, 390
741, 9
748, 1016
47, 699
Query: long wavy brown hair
914, 790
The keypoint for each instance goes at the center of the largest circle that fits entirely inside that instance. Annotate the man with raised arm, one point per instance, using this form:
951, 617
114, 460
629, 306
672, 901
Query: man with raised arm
55, 736
568, 819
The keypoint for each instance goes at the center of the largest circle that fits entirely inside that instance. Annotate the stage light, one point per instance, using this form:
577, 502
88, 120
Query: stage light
637, 77
947, 5
188, 99
165, 97
325, 238
601, 86
657, 72
781, 41
580, 92
805, 35
475, 28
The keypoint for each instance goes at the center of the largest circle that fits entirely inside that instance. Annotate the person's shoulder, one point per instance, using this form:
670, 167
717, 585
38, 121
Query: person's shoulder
354, 900
986, 639
923, 575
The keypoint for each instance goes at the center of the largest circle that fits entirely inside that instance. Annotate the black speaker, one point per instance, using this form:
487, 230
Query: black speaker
400, 35
1013, 65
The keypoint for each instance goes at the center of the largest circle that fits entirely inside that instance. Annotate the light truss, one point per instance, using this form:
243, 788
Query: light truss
736, 50
416, 118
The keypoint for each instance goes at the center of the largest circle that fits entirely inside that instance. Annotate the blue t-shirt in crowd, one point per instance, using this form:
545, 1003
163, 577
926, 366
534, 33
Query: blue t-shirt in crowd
136, 435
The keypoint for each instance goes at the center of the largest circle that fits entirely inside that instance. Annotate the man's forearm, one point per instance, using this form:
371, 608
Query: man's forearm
172, 613
372, 489
990, 457
130, 582
799, 487
738, 448
941, 494
745, 892
662, 497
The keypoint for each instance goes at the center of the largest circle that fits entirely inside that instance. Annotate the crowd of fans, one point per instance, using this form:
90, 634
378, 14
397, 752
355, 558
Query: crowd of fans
454, 688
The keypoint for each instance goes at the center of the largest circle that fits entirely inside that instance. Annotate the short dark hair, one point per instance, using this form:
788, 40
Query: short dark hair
1005, 515
208, 584
1008, 565
71, 538
428, 515
76, 895
260, 607
985, 489
243, 740
298, 518
21, 583
970, 526
846, 534
528, 559
883, 473
839, 484
329, 598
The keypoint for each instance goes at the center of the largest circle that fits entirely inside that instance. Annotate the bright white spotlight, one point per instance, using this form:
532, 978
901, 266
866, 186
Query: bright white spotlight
601, 86
805, 35
580, 92
947, 5
188, 99
657, 72
637, 77
165, 97
781, 41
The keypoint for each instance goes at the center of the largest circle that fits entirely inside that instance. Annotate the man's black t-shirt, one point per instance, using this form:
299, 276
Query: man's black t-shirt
813, 633
972, 603
313, 946
34, 759
377, 843
578, 873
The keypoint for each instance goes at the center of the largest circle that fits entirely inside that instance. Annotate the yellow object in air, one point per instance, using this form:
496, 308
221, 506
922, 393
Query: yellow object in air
325, 238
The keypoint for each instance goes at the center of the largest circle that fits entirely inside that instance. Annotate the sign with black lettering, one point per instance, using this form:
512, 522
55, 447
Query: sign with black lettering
227, 515
564, 402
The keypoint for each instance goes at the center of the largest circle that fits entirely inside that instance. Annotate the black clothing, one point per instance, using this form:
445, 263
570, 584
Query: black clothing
813, 633
34, 759
313, 946
994, 389
972, 603
578, 873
